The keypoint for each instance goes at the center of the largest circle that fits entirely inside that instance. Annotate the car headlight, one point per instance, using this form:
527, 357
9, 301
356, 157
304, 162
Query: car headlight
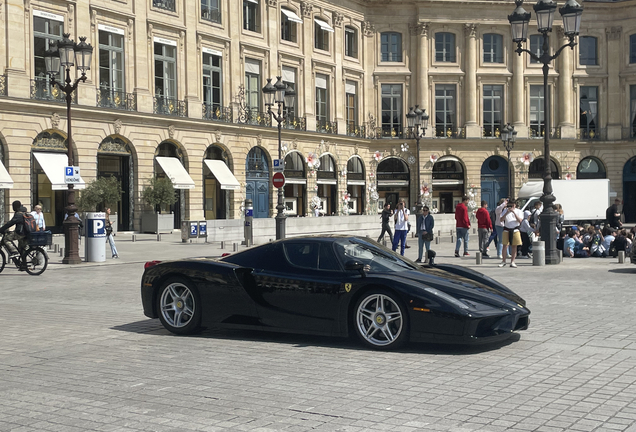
450, 299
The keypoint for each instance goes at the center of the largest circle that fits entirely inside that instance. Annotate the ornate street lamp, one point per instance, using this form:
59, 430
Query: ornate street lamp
508, 137
519, 20
415, 119
283, 96
67, 54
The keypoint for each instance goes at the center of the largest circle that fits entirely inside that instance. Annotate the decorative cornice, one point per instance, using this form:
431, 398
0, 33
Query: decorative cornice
338, 19
422, 29
470, 29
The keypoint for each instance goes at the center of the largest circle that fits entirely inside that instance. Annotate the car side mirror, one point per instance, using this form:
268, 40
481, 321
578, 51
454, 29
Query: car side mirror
353, 265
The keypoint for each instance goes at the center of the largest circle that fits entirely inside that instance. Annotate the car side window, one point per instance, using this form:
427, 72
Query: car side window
327, 259
302, 254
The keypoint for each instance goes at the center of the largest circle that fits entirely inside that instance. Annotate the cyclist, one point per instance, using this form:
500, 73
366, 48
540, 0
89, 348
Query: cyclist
17, 234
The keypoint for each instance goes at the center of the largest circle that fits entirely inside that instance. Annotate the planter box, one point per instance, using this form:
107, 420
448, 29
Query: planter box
157, 223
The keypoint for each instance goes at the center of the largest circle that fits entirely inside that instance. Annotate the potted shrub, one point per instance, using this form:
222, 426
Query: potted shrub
100, 194
158, 193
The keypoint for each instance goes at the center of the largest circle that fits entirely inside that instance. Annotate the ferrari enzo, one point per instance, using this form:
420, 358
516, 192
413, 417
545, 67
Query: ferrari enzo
332, 285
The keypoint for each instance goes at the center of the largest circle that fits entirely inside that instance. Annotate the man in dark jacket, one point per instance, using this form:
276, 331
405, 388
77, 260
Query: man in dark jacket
17, 234
386, 216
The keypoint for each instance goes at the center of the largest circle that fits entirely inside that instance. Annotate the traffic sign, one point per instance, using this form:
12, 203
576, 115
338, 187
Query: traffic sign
279, 165
278, 180
72, 175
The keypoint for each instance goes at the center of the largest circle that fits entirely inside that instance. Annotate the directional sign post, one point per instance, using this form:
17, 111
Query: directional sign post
72, 175
278, 180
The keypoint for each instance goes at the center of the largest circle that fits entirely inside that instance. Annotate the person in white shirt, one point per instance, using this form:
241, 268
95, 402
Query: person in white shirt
511, 218
401, 218
39, 217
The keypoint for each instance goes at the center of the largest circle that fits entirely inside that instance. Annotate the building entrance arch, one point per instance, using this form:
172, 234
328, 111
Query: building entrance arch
393, 182
494, 180
115, 159
257, 181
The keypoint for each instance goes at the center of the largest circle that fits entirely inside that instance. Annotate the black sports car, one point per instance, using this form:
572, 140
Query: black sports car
332, 285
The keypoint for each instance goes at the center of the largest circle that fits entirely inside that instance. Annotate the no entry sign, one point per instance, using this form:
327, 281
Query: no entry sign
278, 180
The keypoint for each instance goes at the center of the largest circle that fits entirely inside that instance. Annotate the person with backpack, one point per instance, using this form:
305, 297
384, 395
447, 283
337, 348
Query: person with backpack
19, 233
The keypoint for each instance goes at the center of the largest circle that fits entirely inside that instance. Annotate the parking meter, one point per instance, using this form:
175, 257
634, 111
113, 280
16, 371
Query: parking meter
249, 217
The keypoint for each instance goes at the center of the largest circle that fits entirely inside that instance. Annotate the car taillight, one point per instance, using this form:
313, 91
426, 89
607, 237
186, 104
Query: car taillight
225, 254
150, 264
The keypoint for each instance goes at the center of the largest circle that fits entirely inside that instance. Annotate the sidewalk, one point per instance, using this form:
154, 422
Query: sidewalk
147, 248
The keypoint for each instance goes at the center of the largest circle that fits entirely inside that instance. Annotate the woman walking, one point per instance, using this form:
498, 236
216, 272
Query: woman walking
110, 235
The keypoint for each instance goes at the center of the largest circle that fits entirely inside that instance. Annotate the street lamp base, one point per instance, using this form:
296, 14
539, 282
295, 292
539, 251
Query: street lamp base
71, 241
548, 233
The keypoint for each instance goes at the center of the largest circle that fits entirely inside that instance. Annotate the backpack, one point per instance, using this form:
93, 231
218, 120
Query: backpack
30, 225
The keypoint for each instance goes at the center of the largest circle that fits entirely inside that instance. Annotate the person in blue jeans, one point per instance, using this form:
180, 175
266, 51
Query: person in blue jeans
110, 235
401, 218
462, 224
425, 226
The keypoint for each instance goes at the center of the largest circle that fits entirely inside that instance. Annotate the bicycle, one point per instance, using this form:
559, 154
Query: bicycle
33, 259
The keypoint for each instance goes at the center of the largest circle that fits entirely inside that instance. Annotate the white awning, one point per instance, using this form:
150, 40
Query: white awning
291, 15
175, 172
223, 174
393, 183
253, 1
6, 182
53, 165
323, 25
295, 181
448, 182
356, 182
447, 158
327, 181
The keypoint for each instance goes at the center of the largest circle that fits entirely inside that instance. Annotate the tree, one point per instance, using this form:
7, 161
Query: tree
159, 192
101, 193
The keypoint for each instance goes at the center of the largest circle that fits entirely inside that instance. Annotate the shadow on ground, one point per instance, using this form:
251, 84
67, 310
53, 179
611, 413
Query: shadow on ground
154, 327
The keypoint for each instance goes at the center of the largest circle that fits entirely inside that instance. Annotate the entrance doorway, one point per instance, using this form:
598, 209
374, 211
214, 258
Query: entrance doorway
114, 159
257, 181
494, 180
393, 182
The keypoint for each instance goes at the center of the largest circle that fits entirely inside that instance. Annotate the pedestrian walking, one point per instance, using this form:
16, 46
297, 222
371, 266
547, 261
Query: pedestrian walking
425, 225
39, 217
484, 228
401, 218
499, 225
386, 217
512, 218
462, 224
110, 235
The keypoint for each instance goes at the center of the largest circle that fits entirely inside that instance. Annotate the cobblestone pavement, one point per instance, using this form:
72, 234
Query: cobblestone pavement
77, 354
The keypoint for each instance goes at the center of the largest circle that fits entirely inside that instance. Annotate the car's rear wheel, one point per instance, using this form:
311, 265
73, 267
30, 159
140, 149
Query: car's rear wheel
380, 320
179, 306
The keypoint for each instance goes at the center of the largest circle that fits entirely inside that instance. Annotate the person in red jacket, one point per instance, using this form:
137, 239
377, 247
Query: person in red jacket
462, 223
484, 228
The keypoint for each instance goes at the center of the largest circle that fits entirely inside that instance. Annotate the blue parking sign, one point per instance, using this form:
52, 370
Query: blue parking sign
68, 171
194, 229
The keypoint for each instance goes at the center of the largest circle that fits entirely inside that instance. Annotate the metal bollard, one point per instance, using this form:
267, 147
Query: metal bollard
538, 253
222, 244
235, 246
452, 238
560, 256
158, 237
478, 258
383, 242
439, 233
474, 230
621, 257
436, 240
56, 248
248, 242
61, 251
134, 238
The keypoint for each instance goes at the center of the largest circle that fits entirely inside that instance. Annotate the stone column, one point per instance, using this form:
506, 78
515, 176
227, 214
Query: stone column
144, 87
566, 112
307, 72
470, 96
614, 96
236, 76
422, 69
192, 67
519, 95
17, 48
367, 89
338, 88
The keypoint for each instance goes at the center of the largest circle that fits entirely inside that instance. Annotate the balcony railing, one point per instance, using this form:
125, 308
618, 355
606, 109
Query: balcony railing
356, 131
629, 133
449, 132
42, 89
538, 132
107, 98
218, 113
253, 116
326, 126
491, 131
168, 5
168, 106
211, 14
3, 85
295, 123
591, 134
391, 57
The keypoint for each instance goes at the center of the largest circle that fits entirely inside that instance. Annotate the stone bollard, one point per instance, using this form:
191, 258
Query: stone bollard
56, 248
235, 246
478, 258
538, 253
621, 257
560, 256
248, 242
133, 238
61, 251
158, 237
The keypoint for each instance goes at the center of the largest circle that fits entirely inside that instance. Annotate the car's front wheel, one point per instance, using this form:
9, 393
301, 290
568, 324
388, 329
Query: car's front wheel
179, 306
380, 320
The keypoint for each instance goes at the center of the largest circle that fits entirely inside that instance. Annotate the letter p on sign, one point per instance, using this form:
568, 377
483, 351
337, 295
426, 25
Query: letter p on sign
98, 226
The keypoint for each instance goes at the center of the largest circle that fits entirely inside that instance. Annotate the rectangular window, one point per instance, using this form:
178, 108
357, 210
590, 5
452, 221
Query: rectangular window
322, 99
445, 95
588, 50
445, 47
588, 119
251, 15
351, 42
168, 5
392, 110
321, 34
165, 70
493, 48
253, 84
211, 11
289, 19
111, 61
632, 48
391, 47
632, 111
212, 78
536, 46
45, 31
351, 107
537, 119
493, 107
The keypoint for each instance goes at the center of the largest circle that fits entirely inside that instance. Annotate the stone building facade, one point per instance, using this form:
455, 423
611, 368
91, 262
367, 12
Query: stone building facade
181, 80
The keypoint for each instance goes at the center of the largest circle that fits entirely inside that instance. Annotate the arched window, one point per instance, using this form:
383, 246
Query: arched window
327, 164
537, 166
354, 166
392, 165
294, 162
591, 168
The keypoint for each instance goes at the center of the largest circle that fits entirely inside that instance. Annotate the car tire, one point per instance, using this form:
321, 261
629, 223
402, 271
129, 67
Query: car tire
179, 306
380, 320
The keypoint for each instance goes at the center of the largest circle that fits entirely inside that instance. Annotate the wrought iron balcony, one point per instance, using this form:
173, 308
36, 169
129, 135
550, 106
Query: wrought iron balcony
108, 98
42, 89
326, 126
491, 131
591, 134
218, 113
3, 85
253, 116
168, 106
449, 132
295, 123
629, 133
538, 132
211, 14
168, 5
356, 131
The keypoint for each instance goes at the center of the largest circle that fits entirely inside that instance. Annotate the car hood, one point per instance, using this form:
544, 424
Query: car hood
463, 282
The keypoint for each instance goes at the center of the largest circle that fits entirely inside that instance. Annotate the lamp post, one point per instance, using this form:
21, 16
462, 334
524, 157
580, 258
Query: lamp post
65, 54
284, 96
508, 137
519, 19
415, 119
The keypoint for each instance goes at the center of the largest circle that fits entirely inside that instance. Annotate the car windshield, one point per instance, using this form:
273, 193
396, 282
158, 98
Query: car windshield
378, 260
